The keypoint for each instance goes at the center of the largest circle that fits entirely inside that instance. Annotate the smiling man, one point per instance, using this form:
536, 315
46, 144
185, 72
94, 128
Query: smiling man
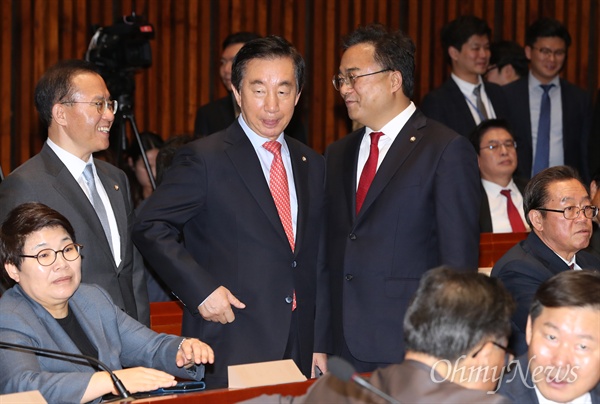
465, 100
562, 364
502, 202
559, 211
235, 227
551, 117
403, 197
74, 104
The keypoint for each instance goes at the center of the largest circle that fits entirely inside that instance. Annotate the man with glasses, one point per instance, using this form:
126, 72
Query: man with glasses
551, 117
465, 100
403, 197
502, 201
562, 363
74, 104
559, 211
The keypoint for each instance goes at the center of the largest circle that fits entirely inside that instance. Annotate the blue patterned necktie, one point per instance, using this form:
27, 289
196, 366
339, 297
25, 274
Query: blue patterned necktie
542, 149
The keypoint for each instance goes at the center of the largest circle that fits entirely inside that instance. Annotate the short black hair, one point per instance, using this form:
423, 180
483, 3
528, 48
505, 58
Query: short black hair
544, 28
393, 50
536, 192
457, 32
56, 85
167, 152
481, 129
509, 53
568, 289
270, 47
452, 312
239, 37
21, 222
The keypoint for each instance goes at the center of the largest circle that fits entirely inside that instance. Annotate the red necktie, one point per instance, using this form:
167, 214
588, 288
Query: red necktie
368, 172
513, 214
278, 184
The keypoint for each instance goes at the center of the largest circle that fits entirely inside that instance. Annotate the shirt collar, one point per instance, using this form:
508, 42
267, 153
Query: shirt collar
535, 83
258, 141
464, 86
74, 164
393, 127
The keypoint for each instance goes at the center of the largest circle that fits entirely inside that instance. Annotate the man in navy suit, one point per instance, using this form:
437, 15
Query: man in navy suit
559, 211
501, 193
419, 211
240, 252
465, 100
562, 364
569, 114
74, 103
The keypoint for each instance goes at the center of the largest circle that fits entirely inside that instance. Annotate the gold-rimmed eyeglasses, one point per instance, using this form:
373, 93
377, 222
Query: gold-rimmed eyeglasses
546, 52
572, 212
350, 79
48, 256
101, 105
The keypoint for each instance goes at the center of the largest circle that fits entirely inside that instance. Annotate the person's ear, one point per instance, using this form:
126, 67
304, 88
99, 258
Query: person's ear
13, 272
483, 356
396, 80
535, 217
238, 97
529, 330
528, 52
59, 114
453, 52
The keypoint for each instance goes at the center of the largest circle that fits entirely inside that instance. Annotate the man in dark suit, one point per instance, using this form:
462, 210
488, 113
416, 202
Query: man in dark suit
543, 103
219, 114
558, 209
420, 211
456, 329
502, 195
465, 100
74, 103
235, 228
562, 363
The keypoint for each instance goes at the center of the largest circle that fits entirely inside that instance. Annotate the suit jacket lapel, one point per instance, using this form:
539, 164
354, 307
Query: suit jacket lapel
406, 141
243, 156
350, 169
300, 171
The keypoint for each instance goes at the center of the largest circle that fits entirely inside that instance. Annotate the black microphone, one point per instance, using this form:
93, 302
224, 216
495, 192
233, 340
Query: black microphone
65, 355
345, 372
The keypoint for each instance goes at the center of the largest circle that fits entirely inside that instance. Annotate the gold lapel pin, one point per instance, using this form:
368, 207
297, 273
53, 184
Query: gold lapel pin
303, 158
412, 139
116, 187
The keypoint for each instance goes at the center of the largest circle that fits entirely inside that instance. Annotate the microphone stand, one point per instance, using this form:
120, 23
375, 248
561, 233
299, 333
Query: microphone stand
123, 393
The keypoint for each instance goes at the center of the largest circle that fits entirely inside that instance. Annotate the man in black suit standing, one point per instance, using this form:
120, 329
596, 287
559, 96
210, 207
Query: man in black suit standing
403, 197
235, 228
502, 195
551, 117
219, 114
74, 103
465, 100
559, 211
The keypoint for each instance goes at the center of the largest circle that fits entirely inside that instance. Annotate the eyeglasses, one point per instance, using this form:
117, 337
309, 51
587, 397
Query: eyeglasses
101, 105
47, 257
493, 146
572, 212
508, 353
546, 52
350, 79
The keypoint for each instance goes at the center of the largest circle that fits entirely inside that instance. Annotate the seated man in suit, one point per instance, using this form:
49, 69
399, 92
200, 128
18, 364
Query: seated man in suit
551, 117
562, 364
507, 63
219, 114
559, 211
502, 207
465, 100
456, 330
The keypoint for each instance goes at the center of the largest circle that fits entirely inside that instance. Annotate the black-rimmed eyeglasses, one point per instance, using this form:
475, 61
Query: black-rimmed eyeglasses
47, 256
101, 105
493, 146
350, 79
572, 212
508, 354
